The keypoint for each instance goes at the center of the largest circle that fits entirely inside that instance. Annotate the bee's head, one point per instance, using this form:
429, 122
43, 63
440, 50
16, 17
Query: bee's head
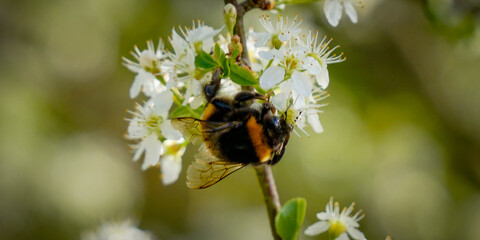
277, 131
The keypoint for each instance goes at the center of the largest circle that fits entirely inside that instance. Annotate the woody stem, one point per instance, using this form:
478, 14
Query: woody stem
270, 194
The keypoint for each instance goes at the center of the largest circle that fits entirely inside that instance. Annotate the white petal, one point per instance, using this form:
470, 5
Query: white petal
314, 122
271, 77
153, 150
317, 228
268, 55
301, 84
260, 38
135, 130
163, 101
283, 37
143, 77
138, 152
171, 169
350, 11
169, 132
333, 11
312, 66
342, 236
323, 216
299, 102
197, 102
323, 79
355, 234
280, 100
136, 86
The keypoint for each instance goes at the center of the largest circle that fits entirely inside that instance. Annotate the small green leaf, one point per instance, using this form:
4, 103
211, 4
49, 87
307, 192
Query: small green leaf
222, 60
235, 53
205, 61
290, 218
186, 111
242, 76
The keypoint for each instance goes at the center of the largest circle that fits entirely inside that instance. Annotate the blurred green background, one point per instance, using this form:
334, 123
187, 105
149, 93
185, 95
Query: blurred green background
402, 129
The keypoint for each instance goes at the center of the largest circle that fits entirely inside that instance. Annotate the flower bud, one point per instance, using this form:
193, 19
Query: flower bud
230, 15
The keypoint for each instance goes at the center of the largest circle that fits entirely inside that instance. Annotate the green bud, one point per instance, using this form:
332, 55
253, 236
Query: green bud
230, 15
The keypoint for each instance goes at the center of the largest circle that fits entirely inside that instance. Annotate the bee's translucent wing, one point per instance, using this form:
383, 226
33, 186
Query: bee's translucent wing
197, 131
208, 169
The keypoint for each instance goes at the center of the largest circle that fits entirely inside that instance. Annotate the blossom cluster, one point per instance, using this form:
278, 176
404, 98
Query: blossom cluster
288, 63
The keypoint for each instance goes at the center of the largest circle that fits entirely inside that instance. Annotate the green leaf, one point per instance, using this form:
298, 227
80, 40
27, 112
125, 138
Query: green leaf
222, 60
186, 111
242, 76
205, 61
235, 53
290, 218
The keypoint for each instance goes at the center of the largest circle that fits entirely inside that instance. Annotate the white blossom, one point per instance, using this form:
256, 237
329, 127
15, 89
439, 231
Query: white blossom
333, 10
323, 55
148, 65
276, 35
340, 225
171, 160
125, 230
291, 64
201, 36
150, 126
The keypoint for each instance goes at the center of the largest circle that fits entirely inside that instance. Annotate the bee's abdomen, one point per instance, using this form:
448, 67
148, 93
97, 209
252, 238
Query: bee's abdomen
236, 146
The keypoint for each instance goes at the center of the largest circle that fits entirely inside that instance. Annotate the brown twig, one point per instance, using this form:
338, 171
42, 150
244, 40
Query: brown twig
269, 189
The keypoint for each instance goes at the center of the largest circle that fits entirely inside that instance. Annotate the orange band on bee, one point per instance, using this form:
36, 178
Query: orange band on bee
259, 141
210, 109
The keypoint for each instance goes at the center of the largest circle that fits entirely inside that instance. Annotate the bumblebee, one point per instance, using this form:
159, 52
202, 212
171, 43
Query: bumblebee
233, 132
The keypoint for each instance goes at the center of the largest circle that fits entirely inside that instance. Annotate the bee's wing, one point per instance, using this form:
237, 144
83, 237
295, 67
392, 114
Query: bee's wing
208, 169
196, 130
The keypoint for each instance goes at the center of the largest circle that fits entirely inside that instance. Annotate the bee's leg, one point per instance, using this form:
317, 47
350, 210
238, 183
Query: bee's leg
221, 104
210, 90
245, 96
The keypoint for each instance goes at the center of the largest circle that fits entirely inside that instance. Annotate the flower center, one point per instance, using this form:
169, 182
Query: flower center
153, 121
276, 42
149, 62
337, 227
291, 63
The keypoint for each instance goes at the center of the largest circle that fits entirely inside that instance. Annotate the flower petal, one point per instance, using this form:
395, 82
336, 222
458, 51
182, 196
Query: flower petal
314, 121
261, 38
271, 77
171, 169
323, 79
333, 11
312, 66
355, 233
317, 228
324, 216
350, 11
162, 102
342, 236
169, 132
153, 150
137, 84
140, 148
301, 84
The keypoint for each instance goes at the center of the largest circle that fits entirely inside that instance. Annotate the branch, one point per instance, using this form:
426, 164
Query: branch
269, 189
